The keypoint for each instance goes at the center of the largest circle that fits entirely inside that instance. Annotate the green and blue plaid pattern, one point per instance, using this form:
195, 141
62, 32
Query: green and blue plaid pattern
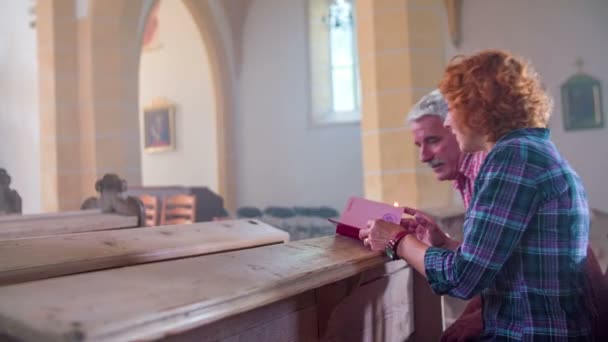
525, 243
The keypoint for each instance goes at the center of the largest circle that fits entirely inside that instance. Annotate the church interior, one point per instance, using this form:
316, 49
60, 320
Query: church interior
169, 167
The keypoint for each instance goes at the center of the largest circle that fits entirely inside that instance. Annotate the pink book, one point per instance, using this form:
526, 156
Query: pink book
360, 210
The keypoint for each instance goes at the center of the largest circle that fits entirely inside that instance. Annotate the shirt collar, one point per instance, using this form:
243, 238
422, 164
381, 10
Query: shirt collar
542, 133
465, 168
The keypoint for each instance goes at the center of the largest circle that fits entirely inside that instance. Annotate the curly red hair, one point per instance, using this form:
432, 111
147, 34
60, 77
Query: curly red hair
494, 92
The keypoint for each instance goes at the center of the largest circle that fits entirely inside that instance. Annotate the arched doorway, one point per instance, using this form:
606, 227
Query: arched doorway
176, 101
208, 22
102, 96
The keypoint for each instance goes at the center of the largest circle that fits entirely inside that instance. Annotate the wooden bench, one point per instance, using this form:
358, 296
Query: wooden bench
107, 211
329, 288
51, 256
10, 201
64, 223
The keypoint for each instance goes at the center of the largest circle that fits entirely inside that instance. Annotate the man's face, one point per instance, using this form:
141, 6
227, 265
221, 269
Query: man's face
437, 146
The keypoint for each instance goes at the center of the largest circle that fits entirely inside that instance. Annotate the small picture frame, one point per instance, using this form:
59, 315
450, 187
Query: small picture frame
582, 103
159, 127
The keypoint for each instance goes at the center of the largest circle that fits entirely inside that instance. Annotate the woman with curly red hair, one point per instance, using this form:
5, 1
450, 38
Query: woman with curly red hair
527, 227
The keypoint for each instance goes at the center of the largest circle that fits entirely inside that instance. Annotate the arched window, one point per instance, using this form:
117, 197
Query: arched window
333, 62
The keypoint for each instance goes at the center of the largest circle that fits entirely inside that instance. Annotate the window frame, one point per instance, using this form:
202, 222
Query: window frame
327, 116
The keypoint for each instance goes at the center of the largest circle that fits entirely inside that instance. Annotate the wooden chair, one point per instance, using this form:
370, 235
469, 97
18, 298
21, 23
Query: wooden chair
151, 207
178, 209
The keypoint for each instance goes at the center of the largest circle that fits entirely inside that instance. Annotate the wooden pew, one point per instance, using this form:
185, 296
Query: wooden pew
107, 211
33, 226
450, 220
41, 216
329, 288
51, 256
10, 201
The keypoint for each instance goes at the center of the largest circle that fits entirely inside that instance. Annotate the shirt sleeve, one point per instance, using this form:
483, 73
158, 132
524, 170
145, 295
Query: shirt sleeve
505, 200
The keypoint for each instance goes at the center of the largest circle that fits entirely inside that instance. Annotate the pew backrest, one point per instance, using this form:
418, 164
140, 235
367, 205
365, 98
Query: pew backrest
52, 256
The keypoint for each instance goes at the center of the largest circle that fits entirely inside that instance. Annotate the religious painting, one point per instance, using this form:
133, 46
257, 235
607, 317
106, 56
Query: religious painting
582, 103
159, 128
151, 40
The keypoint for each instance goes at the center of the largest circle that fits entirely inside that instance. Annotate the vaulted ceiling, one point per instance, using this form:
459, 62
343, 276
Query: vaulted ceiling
236, 13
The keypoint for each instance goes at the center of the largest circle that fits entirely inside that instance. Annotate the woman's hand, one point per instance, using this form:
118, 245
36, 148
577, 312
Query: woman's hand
379, 233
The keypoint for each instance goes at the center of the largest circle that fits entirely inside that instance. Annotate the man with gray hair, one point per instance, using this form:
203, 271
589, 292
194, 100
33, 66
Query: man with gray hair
437, 145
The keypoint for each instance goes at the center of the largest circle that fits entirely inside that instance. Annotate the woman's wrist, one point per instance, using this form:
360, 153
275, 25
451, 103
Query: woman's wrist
413, 252
391, 247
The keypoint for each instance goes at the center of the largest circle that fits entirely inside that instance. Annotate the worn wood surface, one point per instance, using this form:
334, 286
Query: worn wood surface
43, 216
374, 305
64, 224
152, 300
428, 319
291, 319
51, 256
110, 188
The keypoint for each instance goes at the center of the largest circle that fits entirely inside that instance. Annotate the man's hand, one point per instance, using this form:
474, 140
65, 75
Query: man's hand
425, 229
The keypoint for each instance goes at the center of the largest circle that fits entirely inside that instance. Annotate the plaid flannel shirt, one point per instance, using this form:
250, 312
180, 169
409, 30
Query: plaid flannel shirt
525, 243
468, 170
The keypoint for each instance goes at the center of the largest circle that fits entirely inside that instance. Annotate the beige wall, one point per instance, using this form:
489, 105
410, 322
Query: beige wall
179, 71
552, 34
89, 95
269, 93
401, 55
19, 121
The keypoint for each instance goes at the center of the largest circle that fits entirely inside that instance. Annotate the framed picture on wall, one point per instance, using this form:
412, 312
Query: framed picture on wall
159, 127
582, 103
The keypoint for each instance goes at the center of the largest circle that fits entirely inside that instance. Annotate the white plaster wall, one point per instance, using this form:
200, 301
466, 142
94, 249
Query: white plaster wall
281, 158
179, 71
19, 119
552, 34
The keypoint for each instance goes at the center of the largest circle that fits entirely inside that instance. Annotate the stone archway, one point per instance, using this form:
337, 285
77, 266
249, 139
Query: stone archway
89, 95
208, 21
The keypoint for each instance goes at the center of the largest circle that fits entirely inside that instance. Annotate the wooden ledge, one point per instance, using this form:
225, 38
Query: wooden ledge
47, 216
153, 300
65, 224
51, 256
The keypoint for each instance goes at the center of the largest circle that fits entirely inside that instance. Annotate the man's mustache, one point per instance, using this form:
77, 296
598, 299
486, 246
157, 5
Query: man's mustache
435, 162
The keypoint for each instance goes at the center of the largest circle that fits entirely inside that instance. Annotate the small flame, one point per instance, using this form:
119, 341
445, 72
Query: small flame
396, 204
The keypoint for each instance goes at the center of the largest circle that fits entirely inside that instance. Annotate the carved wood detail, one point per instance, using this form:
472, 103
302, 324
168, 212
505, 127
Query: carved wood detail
10, 201
110, 187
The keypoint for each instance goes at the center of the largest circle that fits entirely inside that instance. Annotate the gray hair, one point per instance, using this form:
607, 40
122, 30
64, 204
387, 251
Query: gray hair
432, 103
